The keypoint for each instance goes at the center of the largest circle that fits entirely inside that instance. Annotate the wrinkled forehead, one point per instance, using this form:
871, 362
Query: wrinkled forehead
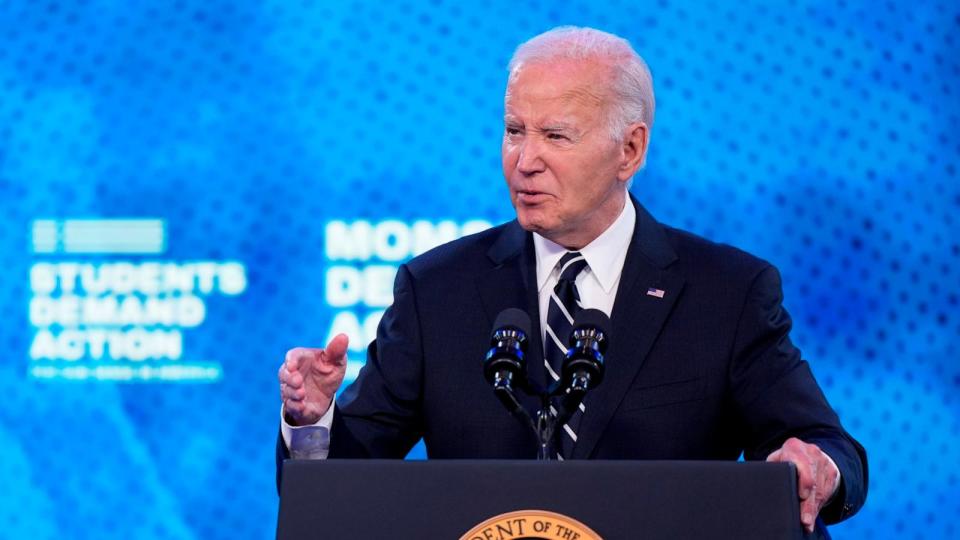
521, 97
579, 83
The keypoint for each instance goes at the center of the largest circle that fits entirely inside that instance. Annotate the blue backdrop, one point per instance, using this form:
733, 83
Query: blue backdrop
190, 188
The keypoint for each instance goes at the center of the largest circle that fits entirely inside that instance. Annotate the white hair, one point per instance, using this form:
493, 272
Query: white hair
632, 85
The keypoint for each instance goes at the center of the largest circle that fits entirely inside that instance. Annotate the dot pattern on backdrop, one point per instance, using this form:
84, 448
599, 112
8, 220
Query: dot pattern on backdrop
822, 137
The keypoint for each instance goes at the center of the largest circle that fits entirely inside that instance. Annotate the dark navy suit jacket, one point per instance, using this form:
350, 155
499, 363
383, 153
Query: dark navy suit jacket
706, 372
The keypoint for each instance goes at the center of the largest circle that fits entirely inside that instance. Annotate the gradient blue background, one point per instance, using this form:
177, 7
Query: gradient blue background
822, 136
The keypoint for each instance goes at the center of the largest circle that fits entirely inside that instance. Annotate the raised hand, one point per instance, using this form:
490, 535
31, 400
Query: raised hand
310, 378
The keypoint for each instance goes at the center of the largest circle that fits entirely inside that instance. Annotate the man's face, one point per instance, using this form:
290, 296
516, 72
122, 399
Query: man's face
561, 165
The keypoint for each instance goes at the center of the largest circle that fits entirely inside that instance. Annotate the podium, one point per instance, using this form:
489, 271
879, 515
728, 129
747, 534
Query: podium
506, 500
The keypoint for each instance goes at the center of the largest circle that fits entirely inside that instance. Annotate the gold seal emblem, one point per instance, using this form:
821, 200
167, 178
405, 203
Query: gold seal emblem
531, 525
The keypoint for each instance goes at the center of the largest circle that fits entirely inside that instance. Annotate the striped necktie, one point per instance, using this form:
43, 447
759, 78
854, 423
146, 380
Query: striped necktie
563, 307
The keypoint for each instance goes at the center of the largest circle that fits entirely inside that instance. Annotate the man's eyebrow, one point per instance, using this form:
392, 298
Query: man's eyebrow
559, 125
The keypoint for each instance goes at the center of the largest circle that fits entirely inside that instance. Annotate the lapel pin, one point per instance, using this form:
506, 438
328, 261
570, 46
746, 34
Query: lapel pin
658, 293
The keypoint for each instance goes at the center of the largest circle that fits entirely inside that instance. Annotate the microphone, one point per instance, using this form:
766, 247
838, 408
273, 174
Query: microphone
583, 368
506, 363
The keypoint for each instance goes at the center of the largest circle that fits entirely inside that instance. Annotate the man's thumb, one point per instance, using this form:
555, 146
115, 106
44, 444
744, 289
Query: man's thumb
337, 348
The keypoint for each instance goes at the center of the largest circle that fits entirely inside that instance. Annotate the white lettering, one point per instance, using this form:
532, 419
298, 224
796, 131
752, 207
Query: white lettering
378, 285
43, 278
347, 286
346, 322
347, 242
177, 278
68, 276
136, 344
474, 226
427, 236
232, 278
206, 272
344, 286
43, 346
186, 311
190, 311
42, 311
391, 240
122, 278
93, 279
148, 279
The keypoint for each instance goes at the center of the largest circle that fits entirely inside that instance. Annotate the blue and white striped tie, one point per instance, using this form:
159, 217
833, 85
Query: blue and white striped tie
563, 307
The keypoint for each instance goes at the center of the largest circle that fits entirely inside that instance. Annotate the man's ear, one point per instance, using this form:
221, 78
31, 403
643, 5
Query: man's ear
634, 150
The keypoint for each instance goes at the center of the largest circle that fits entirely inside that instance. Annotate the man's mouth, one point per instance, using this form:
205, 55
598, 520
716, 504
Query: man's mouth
530, 197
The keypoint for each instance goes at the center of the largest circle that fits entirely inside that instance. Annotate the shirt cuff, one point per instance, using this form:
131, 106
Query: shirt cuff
308, 442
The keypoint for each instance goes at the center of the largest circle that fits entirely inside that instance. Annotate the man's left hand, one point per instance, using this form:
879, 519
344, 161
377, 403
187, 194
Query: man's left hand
817, 477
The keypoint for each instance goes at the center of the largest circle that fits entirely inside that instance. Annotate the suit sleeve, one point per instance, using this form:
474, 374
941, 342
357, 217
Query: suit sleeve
379, 415
778, 397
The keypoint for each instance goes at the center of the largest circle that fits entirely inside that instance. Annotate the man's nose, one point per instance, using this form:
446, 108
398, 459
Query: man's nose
530, 160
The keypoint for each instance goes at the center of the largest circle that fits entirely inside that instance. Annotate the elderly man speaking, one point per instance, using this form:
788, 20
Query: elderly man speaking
701, 365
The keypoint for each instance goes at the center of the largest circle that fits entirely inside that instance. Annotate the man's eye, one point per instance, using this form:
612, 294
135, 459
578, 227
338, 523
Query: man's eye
557, 137
513, 130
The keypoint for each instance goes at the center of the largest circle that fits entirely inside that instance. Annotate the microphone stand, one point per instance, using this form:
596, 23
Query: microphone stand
546, 425
549, 417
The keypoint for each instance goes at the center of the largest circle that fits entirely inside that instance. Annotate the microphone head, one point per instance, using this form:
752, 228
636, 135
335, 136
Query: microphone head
513, 318
505, 360
583, 368
592, 318
594, 321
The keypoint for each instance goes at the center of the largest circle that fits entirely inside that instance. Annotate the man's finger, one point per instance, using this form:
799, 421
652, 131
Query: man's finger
290, 393
829, 476
809, 509
293, 380
806, 477
807, 480
336, 350
284, 392
284, 374
295, 358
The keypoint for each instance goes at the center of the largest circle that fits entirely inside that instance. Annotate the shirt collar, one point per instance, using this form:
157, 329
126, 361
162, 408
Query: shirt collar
605, 255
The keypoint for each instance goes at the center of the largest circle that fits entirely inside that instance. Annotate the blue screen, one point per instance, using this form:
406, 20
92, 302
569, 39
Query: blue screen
188, 189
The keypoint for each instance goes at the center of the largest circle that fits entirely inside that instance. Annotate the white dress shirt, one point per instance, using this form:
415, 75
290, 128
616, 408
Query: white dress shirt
597, 285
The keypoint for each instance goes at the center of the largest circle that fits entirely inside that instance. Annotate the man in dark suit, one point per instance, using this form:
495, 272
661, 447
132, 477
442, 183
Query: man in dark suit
700, 364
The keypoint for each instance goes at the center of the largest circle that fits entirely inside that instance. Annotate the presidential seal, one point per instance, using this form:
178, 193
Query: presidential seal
531, 525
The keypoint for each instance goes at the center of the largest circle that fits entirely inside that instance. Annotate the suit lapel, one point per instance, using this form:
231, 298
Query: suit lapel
512, 282
637, 319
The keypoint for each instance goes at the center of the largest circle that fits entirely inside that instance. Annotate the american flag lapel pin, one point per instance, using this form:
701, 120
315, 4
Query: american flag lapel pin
655, 292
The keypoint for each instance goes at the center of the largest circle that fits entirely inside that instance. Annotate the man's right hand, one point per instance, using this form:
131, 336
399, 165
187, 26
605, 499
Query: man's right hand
309, 378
